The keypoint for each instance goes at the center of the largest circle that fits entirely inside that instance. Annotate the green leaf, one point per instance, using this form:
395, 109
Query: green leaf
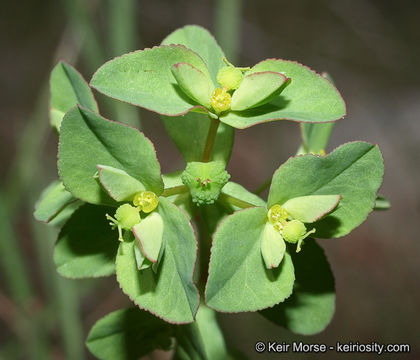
273, 247
190, 344
53, 200
238, 280
142, 261
171, 293
196, 84
203, 43
86, 245
382, 203
127, 334
311, 208
238, 191
353, 170
68, 88
315, 137
189, 133
119, 185
64, 214
144, 78
308, 98
257, 89
311, 306
88, 140
149, 233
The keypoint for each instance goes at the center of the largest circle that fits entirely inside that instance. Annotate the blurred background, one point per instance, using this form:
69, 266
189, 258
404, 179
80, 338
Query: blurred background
369, 47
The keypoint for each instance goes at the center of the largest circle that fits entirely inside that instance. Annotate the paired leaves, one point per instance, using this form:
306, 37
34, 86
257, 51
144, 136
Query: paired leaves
170, 293
88, 140
311, 306
238, 279
353, 171
68, 88
144, 78
308, 98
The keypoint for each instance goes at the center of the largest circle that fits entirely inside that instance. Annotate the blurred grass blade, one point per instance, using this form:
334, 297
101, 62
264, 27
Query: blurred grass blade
122, 17
227, 27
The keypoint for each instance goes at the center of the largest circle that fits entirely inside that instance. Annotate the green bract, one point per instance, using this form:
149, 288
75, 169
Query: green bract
109, 174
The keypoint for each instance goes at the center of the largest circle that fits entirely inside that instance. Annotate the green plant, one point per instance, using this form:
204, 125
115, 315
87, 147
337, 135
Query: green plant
262, 256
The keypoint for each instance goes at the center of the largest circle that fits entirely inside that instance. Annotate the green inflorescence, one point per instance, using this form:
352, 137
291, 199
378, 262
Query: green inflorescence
205, 181
220, 100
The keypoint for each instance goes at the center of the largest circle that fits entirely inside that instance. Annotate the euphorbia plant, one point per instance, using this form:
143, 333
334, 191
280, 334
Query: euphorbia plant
122, 216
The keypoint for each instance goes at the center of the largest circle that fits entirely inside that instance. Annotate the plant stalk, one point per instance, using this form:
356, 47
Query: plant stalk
227, 199
175, 190
211, 137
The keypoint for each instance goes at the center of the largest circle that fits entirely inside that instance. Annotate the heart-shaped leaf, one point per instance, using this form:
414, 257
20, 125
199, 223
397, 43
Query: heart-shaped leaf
311, 208
196, 84
128, 334
86, 245
257, 89
308, 98
144, 78
149, 233
311, 306
353, 170
68, 88
170, 293
87, 140
238, 279
119, 185
203, 43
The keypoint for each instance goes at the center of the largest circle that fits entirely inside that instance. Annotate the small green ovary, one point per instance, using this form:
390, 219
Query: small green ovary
126, 217
293, 231
230, 77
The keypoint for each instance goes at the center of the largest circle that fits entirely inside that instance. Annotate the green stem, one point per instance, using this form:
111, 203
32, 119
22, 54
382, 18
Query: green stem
235, 201
211, 137
175, 190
